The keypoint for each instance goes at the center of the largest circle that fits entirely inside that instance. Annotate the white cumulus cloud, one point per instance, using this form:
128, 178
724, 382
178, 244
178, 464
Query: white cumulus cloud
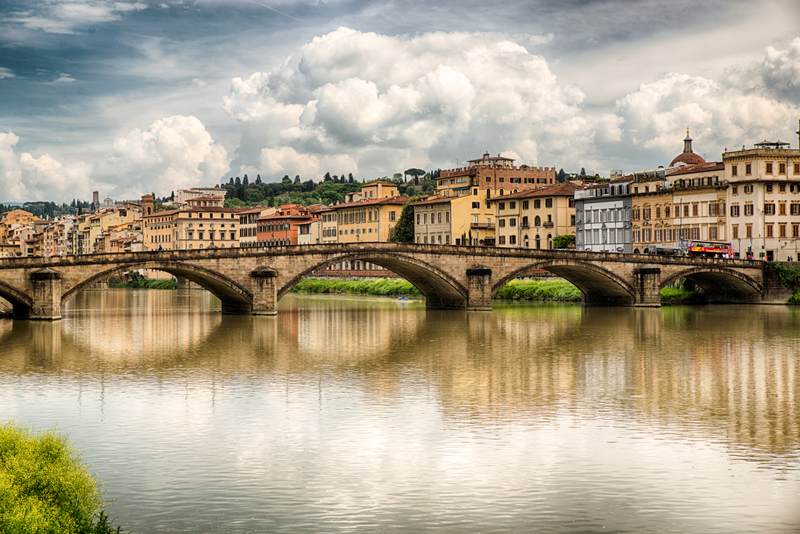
430, 99
24, 176
6, 73
171, 153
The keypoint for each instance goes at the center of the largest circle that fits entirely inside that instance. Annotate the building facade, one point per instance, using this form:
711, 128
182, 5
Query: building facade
603, 217
763, 201
533, 218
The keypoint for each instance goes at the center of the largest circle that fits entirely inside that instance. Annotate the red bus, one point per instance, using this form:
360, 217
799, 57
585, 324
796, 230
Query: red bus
710, 249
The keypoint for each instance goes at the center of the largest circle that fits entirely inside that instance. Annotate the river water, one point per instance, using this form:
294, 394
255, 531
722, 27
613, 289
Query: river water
346, 414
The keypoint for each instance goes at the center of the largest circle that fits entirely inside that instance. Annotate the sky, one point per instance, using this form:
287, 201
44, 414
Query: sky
133, 96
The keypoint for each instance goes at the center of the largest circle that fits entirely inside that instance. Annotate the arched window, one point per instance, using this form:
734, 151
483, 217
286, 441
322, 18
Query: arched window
537, 221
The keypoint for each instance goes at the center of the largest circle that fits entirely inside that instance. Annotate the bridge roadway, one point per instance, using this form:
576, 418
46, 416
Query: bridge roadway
253, 280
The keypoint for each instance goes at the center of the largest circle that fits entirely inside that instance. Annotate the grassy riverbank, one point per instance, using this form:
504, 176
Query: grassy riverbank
548, 290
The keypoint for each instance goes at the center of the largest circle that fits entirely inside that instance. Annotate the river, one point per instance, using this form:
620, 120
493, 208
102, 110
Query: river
349, 413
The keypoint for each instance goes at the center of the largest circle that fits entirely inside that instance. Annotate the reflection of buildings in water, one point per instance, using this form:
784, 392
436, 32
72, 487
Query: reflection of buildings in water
128, 326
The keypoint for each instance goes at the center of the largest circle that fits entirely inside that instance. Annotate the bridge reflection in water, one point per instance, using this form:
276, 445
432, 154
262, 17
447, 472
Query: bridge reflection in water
729, 373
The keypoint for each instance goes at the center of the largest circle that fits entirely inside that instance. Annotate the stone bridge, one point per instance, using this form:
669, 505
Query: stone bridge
457, 277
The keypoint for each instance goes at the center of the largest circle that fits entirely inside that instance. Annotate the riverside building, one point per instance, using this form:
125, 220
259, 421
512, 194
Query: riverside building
763, 200
532, 218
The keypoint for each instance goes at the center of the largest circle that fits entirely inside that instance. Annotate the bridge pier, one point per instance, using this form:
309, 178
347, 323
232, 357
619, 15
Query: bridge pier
265, 292
479, 287
648, 287
46, 295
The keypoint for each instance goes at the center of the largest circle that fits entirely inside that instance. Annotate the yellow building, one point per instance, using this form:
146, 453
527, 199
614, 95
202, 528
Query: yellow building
189, 227
15, 218
533, 218
366, 216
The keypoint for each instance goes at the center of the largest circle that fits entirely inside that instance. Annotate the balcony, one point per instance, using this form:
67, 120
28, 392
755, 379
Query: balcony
481, 226
548, 224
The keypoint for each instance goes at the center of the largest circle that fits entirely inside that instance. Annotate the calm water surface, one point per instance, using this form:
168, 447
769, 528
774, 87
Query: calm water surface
346, 414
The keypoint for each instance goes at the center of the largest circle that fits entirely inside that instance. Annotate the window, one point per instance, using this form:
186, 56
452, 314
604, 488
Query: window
769, 230
794, 209
548, 203
695, 210
524, 222
796, 230
501, 240
392, 215
735, 190
512, 205
525, 204
734, 210
418, 218
782, 208
797, 168
769, 209
748, 231
781, 168
748, 189
782, 230
769, 168
735, 229
748, 169
502, 206
748, 210
734, 170
501, 223
512, 222
439, 217
769, 188
477, 205
537, 204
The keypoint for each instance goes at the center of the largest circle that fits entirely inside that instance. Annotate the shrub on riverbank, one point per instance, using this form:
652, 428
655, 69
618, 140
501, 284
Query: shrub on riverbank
44, 488
381, 287
794, 300
680, 295
141, 282
539, 290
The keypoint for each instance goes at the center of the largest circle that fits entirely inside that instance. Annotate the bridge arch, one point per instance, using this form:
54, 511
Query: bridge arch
20, 301
234, 297
724, 285
440, 289
598, 285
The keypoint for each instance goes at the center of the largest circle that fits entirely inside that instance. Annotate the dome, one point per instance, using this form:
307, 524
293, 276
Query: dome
687, 157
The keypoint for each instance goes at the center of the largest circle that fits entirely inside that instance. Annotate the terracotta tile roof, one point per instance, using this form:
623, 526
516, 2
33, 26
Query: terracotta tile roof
434, 200
565, 189
700, 167
396, 201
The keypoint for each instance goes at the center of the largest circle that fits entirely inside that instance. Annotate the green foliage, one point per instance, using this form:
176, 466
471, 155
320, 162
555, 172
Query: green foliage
403, 231
382, 287
789, 275
554, 290
680, 295
564, 241
794, 300
134, 280
44, 488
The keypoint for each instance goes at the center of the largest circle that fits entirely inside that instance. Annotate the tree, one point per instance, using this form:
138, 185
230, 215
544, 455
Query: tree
583, 172
564, 241
238, 181
45, 487
231, 181
245, 180
297, 180
258, 179
327, 177
286, 180
350, 178
403, 231
561, 176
